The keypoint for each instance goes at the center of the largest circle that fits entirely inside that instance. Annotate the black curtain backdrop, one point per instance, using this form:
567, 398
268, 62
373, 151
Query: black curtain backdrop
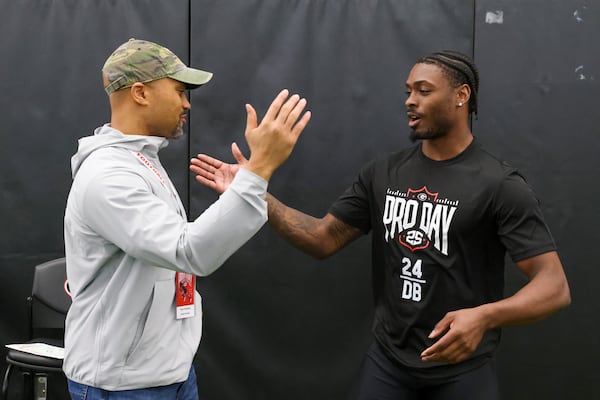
540, 79
278, 324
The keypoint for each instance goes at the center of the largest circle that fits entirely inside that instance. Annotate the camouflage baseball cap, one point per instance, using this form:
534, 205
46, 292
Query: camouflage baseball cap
143, 61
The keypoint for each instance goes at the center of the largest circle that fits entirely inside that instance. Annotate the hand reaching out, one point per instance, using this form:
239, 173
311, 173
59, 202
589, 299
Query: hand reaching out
270, 143
214, 173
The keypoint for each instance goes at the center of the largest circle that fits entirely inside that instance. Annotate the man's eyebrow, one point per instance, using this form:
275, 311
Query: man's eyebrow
417, 83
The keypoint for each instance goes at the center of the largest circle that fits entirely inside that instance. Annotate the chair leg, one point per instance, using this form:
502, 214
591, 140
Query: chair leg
40, 386
28, 385
5, 382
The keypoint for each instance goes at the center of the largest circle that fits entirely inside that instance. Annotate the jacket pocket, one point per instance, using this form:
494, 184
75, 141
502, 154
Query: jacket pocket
155, 329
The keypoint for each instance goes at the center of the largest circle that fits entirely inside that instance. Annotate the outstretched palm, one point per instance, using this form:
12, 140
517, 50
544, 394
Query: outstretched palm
214, 173
270, 143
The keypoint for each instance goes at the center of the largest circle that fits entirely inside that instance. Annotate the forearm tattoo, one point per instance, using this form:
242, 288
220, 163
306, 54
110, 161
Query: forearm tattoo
317, 236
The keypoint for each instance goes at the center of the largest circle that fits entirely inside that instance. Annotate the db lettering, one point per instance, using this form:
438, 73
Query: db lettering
412, 282
411, 290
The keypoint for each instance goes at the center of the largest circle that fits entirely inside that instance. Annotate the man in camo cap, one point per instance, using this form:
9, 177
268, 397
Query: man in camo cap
136, 320
142, 61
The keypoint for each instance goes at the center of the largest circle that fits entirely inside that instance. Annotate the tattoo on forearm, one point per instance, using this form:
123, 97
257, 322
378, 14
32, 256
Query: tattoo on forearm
318, 237
290, 223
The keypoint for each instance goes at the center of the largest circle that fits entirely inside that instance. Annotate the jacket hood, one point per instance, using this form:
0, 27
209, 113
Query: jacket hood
105, 136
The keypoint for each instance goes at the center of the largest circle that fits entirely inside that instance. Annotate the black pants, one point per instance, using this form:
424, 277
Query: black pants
381, 379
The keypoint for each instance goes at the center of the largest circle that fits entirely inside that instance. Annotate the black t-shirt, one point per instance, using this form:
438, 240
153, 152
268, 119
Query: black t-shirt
440, 232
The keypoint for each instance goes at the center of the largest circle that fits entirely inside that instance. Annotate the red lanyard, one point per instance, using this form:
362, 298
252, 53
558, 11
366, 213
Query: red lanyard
185, 284
148, 165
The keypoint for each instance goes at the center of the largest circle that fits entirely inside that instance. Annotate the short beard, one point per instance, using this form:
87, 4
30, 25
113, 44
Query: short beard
178, 133
427, 135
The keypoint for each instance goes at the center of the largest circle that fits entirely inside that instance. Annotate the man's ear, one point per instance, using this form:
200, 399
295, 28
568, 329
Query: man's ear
138, 93
463, 94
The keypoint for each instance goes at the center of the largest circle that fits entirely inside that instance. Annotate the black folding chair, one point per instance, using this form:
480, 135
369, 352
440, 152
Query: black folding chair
47, 308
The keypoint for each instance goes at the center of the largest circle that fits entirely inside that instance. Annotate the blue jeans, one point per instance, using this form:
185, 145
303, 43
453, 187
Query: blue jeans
187, 390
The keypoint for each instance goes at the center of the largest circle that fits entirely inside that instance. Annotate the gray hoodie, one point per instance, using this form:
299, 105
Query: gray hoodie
126, 233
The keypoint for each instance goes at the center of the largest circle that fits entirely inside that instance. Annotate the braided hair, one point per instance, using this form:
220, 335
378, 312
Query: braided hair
459, 68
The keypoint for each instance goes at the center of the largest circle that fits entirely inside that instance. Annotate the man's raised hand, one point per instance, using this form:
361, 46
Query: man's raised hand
272, 142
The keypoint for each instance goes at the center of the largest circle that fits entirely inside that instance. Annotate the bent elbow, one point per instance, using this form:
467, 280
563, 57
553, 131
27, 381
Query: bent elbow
566, 296
320, 255
562, 296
